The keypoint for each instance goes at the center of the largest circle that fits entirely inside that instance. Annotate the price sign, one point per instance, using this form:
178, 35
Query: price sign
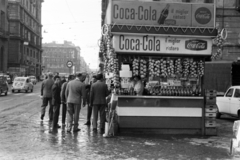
69, 64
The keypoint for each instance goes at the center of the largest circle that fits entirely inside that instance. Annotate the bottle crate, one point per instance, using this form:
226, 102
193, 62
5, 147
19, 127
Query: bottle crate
210, 131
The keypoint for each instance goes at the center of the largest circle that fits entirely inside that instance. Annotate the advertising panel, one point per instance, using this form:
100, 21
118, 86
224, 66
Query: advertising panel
159, 13
202, 15
162, 45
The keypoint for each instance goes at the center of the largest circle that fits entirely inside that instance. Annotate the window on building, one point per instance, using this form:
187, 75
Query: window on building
3, 2
2, 24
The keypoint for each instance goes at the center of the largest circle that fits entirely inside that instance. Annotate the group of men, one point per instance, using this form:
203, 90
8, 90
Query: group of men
74, 94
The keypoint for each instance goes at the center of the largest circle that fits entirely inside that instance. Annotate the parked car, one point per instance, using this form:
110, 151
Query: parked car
22, 84
3, 85
33, 79
230, 103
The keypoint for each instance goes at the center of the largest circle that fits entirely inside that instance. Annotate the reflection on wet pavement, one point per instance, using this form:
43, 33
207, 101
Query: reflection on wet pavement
26, 137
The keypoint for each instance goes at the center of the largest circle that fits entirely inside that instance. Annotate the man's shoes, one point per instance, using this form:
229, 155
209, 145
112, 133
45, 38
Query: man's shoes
42, 117
76, 130
95, 130
87, 123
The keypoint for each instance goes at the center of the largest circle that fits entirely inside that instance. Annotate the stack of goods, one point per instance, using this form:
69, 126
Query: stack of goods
193, 68
210, 113
143, 68
135, 66
200, 68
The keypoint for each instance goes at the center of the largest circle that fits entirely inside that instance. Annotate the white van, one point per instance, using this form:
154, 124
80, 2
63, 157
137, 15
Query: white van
22, 84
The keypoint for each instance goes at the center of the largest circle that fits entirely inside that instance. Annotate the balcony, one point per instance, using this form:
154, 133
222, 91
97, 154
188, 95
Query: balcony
14, 1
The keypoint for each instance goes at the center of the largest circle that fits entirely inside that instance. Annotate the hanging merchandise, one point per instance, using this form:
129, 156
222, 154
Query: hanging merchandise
170, 67
178, 67
193, 68
151, 67
219, 40
200, 68
163, 66
186, 64
156, 68
110, 57
135, 66
143, 68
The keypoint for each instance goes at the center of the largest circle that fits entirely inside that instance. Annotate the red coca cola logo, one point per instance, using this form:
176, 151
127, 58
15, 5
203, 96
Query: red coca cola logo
196, 45
203, 15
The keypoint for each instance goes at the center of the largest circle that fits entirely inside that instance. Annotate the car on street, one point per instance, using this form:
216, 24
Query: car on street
22, 84
3, 85
33, 79
230, 103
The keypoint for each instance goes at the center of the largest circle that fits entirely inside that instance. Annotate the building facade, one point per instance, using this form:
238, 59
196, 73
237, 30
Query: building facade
3, 36
55, 57
25, 41
228, 17
84, 67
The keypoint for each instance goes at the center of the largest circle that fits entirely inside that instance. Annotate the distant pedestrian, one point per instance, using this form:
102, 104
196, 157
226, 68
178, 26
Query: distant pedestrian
46, 94
98, 94
56, 100
63, 80
64, 99
76, 95
89, 107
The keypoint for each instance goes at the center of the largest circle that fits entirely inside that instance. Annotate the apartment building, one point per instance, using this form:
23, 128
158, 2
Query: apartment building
3, 35
25, 41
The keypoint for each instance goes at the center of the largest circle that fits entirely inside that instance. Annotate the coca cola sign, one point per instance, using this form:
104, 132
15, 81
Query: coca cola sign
203, 15
196, 45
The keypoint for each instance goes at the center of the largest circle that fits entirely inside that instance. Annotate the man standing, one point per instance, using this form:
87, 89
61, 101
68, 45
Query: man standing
89, 109
75, 93
46, 94
98, 94
64, 99
56, 100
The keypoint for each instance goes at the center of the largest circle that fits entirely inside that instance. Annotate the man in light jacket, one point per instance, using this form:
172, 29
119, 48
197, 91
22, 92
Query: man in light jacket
46, 95
98, 94
75, 93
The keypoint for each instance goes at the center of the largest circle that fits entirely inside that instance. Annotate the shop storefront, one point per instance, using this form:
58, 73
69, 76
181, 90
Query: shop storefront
166, 44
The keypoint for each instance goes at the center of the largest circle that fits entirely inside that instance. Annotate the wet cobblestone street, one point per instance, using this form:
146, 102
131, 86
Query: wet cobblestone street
24, 137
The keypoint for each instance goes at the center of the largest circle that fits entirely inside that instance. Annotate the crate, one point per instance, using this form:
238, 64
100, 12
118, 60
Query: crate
210, 131
211, 106
211, 110
210, 118
211, 115
210, 92
210, 100
210, 123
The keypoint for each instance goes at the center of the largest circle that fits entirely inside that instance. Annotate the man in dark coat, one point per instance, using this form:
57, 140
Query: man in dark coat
89, 109
56, 100
98, 94
64, 99
46, 94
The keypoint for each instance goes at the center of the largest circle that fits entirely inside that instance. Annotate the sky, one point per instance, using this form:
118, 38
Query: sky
78, 21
